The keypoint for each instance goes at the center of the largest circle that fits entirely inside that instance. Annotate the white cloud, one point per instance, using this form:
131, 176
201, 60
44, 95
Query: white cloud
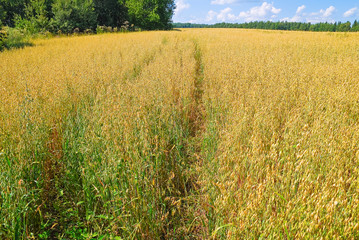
298, 17
323, 15
222, 2
260, 12
264, 12
300, 9
351, 12
181, 5
226, 15
211, 15
327, 12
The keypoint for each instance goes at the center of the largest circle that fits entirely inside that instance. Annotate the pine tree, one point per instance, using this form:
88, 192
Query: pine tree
355, 27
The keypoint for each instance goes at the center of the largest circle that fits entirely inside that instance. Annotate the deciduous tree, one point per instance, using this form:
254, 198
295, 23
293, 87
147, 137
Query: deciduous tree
151, 14
71, 14
35, 17
110, 12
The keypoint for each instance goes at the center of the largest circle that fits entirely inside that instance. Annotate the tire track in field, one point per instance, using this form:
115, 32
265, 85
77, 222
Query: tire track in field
55, 164
196, 114
146, 60
193, 121
196, 125
184, 200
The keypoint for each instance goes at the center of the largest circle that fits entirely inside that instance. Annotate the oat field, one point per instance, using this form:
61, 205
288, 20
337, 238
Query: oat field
191, 134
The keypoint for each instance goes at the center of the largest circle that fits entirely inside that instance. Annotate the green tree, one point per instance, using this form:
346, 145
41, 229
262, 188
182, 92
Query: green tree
344, 27
110, 12
71, 14
2, 32
35, 18
151, 14
355, 27
12, 8
2, 14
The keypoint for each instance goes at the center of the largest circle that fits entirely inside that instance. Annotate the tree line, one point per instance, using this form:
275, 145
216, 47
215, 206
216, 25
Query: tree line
293, 26
85, 15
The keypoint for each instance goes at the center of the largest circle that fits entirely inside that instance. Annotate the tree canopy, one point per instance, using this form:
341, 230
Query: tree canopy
67, 15
292, 26
151, 14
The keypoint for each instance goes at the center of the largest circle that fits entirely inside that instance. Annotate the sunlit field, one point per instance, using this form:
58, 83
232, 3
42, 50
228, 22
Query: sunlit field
191, 134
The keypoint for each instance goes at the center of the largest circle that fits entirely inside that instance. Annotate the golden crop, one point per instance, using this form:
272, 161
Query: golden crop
206, 133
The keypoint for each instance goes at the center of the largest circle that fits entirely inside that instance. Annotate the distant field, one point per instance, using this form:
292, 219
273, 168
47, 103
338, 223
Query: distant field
191, 134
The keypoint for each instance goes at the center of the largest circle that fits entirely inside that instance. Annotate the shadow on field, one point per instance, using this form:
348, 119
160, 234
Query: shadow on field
14, 39
16, 45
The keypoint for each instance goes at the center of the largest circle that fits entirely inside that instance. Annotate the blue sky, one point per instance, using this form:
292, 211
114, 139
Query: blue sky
213, 11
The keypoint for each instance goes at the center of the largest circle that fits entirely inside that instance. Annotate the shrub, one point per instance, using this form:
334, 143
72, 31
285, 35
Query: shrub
76, 30
88, 31
3, 37
100, 29
35, 19
104, 29
15, 38
69, 15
